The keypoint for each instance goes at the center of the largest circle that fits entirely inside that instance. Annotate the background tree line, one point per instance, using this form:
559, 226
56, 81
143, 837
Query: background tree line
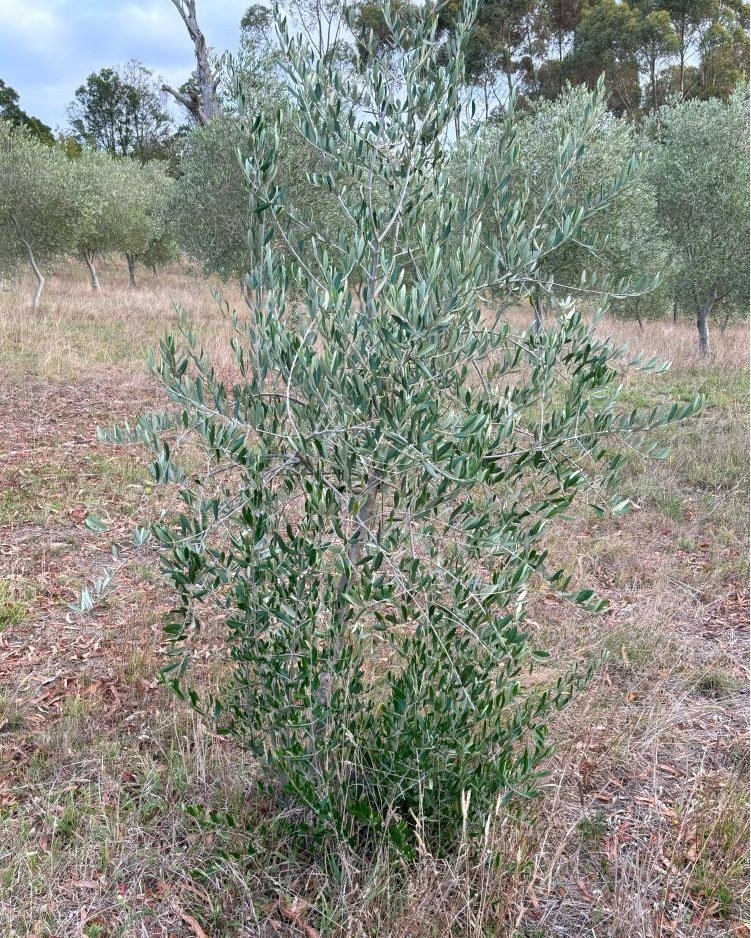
127, 176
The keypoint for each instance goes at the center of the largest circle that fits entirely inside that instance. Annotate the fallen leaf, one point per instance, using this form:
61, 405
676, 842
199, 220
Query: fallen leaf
293, 915
192, 924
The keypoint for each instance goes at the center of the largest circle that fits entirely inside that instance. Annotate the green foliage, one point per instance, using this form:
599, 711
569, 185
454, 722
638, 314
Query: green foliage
208, 207
39, 213
123, 112
619, 247
11, 112
700, 170
606, 42
382, 472
121, 207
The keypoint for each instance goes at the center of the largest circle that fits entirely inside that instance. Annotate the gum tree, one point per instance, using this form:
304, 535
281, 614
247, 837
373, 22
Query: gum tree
385, 461
700, 167
38, 213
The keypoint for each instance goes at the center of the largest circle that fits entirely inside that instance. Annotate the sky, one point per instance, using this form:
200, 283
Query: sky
48, 47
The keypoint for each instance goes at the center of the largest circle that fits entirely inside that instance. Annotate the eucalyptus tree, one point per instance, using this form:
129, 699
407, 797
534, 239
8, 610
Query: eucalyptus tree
382, 471
11, 111
198, 95
123, 111
700, 168
38, 213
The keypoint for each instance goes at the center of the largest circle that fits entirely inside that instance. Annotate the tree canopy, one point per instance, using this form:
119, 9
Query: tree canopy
123, 112
11, 112
700, 170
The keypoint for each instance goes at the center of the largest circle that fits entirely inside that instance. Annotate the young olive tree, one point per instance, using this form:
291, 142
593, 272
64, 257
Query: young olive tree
700, 168
98, 201
38, 214
618, 253
207, 207
119, 208
142, 233
384, 463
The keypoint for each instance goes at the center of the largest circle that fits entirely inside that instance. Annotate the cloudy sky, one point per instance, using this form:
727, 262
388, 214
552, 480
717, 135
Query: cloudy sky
48, 47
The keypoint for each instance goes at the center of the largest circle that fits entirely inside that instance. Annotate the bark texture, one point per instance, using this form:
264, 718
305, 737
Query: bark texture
702, 322
131, 270
89, 259
200, 100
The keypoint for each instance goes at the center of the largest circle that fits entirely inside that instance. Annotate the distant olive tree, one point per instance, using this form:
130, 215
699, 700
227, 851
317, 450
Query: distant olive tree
39, 213
382, 472
700, 171
110, 214
208, 207
618, 253
142, 235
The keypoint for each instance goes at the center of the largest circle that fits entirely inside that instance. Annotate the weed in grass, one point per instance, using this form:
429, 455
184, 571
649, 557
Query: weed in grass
16, 600
720, 872
631, 649
714, 683
593, 829
11, 714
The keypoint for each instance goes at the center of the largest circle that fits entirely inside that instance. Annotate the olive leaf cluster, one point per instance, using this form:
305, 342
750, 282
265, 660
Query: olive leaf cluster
364, 496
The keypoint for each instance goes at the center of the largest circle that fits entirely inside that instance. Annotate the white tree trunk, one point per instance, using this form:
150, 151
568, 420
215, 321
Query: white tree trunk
38, 274
34, 266
538, 324
89, 258
202, 103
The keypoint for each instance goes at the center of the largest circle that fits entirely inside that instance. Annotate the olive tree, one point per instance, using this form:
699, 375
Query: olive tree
700, 168
98, 204
38, 213
207, 207
121, 208
383, 470
142, 234
619, 252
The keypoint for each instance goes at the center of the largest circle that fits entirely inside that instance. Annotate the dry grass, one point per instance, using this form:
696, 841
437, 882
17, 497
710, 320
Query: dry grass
642, 825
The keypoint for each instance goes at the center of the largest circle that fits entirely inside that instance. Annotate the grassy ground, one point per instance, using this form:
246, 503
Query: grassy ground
642, 826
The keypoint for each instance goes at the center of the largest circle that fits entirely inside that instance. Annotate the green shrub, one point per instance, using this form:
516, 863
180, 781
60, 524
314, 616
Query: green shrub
383, 465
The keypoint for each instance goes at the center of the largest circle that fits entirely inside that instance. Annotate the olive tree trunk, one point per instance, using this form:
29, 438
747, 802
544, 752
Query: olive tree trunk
538, 323
38, 274
34, 266
702, 322
89, 258
131, 271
